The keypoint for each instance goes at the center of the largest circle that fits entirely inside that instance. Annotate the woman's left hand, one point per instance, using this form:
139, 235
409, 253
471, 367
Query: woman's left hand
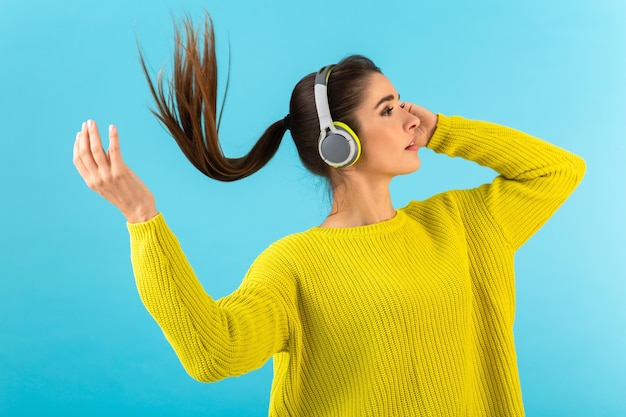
428, 119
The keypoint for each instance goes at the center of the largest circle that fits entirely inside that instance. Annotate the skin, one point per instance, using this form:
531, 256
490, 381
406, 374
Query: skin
108, 175
390, 131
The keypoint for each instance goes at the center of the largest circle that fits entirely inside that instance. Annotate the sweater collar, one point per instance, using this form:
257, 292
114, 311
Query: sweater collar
383, 227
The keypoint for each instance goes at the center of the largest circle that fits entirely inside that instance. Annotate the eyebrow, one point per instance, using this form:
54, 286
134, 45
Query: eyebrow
390, 97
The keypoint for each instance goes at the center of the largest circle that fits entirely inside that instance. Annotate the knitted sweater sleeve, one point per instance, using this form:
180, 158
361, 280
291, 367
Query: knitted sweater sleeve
535, 177
213, 339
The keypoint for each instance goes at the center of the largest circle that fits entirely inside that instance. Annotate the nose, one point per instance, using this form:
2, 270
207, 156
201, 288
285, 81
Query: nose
412, 122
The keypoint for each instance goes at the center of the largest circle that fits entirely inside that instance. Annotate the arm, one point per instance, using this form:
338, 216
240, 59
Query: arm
535, 176
213, 339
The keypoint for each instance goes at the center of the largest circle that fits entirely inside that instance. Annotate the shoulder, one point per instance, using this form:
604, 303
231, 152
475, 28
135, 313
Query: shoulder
437, 208
451, 209
452, 202
295, 248
286, 255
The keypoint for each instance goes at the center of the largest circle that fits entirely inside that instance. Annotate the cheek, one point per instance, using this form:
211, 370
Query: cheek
371, 148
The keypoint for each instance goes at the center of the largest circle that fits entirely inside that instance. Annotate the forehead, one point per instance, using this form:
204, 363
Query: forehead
378, 87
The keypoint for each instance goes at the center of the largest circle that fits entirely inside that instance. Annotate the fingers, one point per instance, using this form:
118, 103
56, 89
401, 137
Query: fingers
115, 154
408, 107
89, 156
84, 153
412, 108
78, 162
95, 144
90, 149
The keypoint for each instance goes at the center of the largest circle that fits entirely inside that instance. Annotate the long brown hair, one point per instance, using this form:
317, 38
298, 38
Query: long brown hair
187, 108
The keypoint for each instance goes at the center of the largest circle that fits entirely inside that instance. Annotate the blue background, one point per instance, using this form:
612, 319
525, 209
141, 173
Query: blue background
74, 336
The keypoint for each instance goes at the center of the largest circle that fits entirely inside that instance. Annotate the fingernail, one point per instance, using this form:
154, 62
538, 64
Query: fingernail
90, 123
84, 126
110, 128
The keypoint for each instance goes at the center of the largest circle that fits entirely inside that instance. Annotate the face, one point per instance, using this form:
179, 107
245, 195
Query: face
388, 133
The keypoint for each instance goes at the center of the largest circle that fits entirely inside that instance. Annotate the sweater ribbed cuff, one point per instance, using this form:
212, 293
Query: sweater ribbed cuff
440, 142
140, 231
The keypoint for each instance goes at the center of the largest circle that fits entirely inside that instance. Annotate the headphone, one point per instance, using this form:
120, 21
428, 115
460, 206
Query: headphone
338, 145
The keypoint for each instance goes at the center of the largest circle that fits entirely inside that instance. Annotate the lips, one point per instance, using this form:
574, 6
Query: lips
412, 146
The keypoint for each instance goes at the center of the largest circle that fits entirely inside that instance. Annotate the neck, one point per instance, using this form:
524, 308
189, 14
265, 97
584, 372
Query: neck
360, 203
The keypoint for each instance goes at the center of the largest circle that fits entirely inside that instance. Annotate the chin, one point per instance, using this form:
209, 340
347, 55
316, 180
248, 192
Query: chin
414, 169
409, 170
413, 166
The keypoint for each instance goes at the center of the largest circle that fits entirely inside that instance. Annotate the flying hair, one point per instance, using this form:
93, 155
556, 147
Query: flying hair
186, 106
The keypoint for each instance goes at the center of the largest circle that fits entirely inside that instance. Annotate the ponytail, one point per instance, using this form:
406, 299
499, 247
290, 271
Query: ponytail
188, 109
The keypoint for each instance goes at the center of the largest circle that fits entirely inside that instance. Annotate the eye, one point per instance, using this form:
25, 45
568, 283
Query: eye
386, 111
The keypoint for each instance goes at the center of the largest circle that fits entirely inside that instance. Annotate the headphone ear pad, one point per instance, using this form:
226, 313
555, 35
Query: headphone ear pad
340, 148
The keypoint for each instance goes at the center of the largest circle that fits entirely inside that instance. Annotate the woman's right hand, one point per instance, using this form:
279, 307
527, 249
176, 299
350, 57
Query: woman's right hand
108, 175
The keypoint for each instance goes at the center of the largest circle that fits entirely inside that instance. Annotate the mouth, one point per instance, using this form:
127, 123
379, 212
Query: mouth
412, 146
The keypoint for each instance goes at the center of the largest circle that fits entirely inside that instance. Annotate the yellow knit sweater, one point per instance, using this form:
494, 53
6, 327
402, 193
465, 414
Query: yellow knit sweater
409, 317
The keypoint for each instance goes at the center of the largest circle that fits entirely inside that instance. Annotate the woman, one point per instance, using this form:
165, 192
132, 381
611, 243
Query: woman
377, 311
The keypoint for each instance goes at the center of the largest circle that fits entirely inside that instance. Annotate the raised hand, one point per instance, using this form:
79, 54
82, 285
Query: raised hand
108, 175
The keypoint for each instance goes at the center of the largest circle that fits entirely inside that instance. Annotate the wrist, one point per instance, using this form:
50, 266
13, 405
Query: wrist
141, 215
435, 121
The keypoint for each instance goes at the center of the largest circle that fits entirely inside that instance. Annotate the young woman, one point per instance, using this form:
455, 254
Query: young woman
377, 311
